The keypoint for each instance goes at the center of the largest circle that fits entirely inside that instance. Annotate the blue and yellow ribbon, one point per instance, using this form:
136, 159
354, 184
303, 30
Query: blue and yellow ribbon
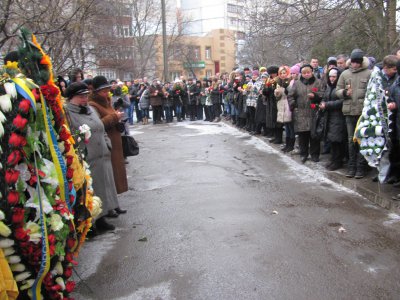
24, 90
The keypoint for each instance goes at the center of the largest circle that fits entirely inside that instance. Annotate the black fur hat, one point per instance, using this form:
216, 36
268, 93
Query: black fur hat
100, 82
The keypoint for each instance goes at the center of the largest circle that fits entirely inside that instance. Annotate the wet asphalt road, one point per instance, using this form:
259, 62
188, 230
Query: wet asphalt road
217, 214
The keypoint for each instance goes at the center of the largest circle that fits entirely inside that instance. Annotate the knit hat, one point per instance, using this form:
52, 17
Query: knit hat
295, 70
357, 56
256, 73
76, 88
263, 69
332, 61
272, 70
100, 82
333, 72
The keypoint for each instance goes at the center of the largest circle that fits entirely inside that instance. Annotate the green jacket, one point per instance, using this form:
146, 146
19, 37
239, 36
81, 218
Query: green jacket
358, 79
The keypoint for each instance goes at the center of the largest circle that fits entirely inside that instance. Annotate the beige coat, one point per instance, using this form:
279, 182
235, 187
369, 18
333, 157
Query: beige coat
109, 118
358, 79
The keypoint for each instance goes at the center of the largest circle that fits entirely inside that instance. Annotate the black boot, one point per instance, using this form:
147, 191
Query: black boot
102, 224
278, 136
291, 145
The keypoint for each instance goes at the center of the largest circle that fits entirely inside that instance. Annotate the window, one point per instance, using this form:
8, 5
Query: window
232, 8
208, 73
107, 73
174, 75
208, 53
196, 52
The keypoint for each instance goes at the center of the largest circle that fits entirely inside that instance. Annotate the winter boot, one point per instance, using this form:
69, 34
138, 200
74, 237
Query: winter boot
278, 136
287, 144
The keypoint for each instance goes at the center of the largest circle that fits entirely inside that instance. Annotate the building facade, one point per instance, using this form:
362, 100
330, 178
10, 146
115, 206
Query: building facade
199, 57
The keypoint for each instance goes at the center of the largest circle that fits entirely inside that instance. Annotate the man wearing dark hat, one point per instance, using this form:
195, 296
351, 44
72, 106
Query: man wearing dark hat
100, 100
98, 156
351, 87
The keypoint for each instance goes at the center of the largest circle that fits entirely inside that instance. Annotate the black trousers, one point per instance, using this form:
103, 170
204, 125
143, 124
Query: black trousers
308, 145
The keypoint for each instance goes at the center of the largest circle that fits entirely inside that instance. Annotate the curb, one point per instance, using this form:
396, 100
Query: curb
377, 193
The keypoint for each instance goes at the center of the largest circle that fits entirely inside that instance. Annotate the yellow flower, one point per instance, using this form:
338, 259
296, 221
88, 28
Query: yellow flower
12, 65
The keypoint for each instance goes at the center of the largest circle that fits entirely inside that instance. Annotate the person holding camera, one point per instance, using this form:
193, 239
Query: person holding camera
100, 100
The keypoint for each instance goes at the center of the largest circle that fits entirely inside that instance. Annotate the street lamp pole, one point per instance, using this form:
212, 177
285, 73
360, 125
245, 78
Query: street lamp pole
164, 37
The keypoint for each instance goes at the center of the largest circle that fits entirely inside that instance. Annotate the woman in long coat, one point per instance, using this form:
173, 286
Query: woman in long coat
98, 154
335, 124
301, 99
101, 102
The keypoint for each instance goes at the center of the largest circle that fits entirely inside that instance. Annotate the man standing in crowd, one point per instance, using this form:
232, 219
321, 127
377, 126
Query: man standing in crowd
351, 87
317, 70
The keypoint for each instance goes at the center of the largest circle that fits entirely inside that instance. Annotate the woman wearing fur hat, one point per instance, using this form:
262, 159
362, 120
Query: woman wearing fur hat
98, 154
303, 101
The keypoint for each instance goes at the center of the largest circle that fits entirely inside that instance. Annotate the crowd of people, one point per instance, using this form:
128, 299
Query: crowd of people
317, 106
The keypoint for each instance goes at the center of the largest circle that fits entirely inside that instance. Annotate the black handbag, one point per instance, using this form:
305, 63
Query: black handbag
129, 146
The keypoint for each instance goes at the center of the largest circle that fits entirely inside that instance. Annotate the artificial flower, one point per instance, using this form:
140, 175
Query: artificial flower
18, 267
314, 89
1, 130
2, 216
49, 91
64, 134
71, 242
68, 272
10, 89
14, 158
13, 197
13, 259
12, 64
22, 276
56, 222
19, 122
5, 231
18, 215
24, 106
17, 140
70, 286
2, 117
5, 103
6, 243
27, 284
70, 173
35, 234
11, 176
9, 251
60, 281
313, 106
58, 269
21, 234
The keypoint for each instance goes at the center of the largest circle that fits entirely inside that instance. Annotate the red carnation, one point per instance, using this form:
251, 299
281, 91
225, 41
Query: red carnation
17, 140
14, 158
52, 249
13, 198
314, 89
71, 199
67, 147
70, 286
20, 122
21, 234
11, 176
51, 238
64, 135
35, 94
70, 173
50, 92
70, 258
24, 106
71, 243
33, 180
313, 106
18, 215
70, 159
68, 272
